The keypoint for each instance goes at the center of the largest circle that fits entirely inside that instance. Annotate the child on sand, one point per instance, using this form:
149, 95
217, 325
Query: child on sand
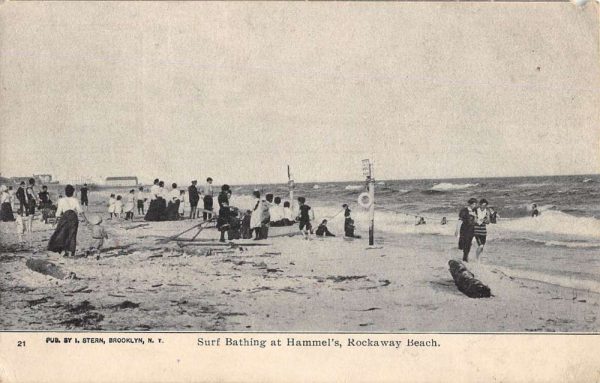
119, 207
98, 233
129, 205
223, 220
255, 220
111, 205
245, 231
141, 198
305, 215
322, 230
182, 201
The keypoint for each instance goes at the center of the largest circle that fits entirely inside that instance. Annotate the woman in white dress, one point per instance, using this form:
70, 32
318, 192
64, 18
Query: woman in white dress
257, 215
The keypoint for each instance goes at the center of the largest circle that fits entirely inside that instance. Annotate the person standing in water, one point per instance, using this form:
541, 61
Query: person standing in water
483, 218
534, 210
467, 216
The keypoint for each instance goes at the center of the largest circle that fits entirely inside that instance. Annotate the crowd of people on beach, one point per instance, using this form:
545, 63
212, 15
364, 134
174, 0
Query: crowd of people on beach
162, 204
159, 204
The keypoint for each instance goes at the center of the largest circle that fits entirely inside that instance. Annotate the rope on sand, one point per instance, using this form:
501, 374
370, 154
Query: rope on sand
335, 215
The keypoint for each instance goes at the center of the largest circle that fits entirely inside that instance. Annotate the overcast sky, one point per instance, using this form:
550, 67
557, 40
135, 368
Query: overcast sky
239, 90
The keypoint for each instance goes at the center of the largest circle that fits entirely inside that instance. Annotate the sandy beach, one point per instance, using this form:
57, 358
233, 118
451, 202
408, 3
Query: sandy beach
287, 284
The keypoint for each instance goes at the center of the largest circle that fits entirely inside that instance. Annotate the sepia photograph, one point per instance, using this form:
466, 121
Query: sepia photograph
370, 167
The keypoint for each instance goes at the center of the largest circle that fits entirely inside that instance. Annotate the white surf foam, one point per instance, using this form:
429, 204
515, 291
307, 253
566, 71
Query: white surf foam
554, 222
567, 281
570, 244
354, 187
443, 186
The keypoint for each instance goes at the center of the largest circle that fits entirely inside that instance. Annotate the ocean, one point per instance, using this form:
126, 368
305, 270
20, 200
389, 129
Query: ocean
561, 245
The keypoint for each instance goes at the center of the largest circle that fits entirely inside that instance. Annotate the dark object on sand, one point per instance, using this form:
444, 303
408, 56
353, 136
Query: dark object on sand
137, 226
49, 214
466, 281
46, 268
125, 305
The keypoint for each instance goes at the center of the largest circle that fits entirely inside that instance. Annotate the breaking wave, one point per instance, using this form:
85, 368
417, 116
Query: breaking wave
445, 186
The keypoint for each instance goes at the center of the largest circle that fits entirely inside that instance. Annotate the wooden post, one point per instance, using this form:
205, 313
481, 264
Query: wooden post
368, 172
372, 207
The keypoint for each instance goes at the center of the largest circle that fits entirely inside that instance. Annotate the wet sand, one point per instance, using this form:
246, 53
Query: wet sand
290, 284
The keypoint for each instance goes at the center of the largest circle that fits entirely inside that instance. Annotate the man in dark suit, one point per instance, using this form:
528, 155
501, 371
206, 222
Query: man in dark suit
194, 198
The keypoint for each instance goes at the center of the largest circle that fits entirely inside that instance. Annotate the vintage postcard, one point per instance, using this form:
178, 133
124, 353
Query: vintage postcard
257, 191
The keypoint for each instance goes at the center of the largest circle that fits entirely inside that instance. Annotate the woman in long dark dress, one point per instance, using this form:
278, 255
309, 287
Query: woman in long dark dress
157, 204
6, 213
467, 216
64, 237
172, 211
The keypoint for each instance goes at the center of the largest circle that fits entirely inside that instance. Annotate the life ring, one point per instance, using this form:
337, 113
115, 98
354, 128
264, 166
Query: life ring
364, 200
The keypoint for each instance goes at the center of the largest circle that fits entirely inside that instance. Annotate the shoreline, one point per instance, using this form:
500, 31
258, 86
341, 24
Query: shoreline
290, 284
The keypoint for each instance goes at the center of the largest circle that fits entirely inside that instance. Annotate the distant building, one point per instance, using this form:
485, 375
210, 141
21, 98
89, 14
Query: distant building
43, 178
18, 180
121, 181
40, 179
